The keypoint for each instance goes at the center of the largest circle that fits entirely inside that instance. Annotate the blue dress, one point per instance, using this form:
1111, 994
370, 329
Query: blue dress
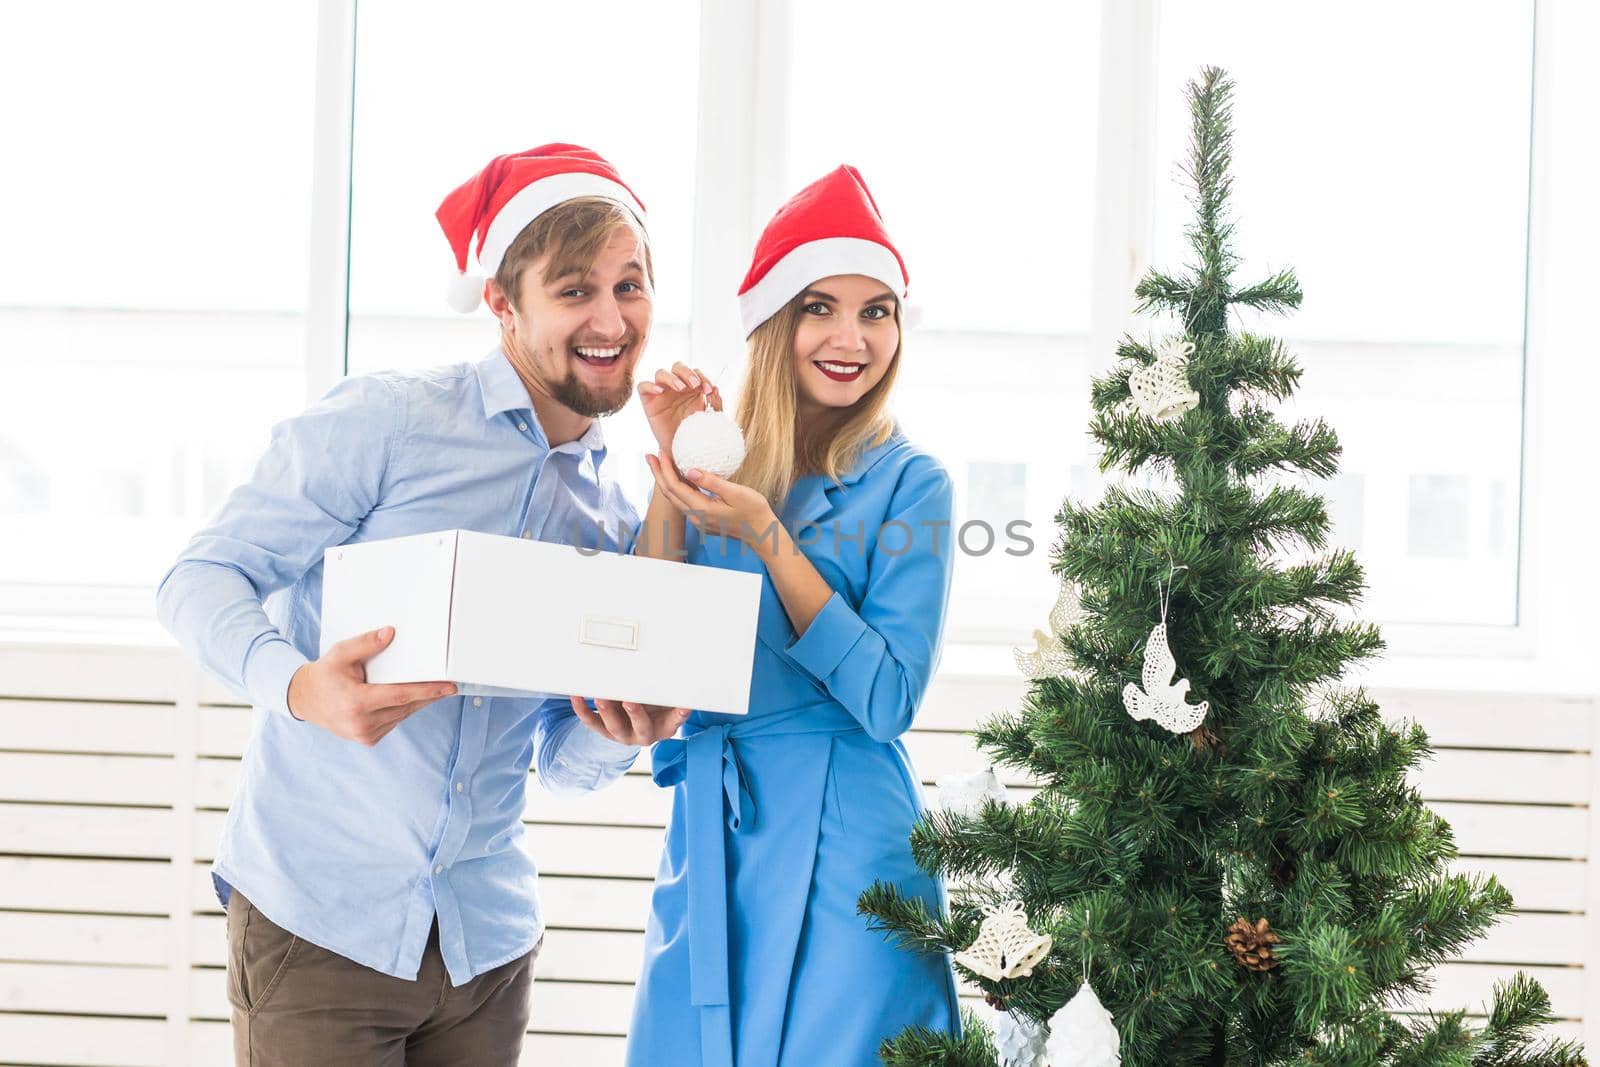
755, 955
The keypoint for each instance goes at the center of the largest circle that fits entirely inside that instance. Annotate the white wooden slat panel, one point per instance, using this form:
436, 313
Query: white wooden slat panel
118, 886
224, 731
77, 1041
77, 726
633, 800
65, 938
595, 903
82, 779
1516, 830
215, 782
1495, 720
1532, 937
1535, 885
1508, 777
81, 990
54, 669
1471, 985
62, 830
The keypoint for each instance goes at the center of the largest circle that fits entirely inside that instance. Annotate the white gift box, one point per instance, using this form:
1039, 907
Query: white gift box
505, 615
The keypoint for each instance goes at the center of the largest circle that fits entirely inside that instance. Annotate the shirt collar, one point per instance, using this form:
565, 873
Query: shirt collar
503, 391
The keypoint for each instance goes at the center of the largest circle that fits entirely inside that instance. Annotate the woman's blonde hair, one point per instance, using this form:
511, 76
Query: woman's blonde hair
778, 451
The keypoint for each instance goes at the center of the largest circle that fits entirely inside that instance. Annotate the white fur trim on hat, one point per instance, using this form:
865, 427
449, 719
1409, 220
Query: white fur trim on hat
806, 263
535, 198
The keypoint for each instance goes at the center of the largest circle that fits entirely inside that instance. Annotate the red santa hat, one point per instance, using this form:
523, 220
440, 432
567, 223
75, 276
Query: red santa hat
513, 190
830, 227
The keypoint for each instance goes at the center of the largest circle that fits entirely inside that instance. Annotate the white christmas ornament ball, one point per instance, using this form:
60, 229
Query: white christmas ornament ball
708, 441
1020, 1042
1082, 1033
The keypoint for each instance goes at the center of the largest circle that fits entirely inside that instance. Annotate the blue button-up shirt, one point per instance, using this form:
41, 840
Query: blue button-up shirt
353, 848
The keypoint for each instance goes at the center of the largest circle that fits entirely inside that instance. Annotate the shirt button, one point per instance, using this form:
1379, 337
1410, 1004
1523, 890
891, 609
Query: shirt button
438, 870
461, 787
477, 702
522, 426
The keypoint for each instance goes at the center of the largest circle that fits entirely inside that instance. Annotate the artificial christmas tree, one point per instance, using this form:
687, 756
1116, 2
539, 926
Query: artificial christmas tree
1265, 887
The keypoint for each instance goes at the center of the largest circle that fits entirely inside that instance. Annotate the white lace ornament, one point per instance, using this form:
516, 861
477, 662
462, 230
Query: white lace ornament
1161, 390
1162, 698
1019, 1041
1005, 947
1082, 1033
1047, 659
710, 441
964, 794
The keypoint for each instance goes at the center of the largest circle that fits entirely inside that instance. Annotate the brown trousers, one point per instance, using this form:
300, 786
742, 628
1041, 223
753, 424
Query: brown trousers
297, 1004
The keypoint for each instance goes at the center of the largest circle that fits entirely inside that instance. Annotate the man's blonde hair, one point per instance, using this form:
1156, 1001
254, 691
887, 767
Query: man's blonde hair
572, 233
777, 450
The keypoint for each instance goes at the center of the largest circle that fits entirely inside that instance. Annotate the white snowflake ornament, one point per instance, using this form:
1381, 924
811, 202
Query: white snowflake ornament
1019, 1041
1082, 1033
1005, 947
1161, 390
1162, 698
964, 794
710, 441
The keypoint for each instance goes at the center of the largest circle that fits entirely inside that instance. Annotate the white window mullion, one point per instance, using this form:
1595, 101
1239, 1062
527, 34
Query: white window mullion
1124, 170
327, 310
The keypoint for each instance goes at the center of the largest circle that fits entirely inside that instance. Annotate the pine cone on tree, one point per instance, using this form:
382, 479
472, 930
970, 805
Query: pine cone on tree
1251, 945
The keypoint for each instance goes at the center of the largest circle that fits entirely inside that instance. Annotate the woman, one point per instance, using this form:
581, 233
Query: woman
755, 955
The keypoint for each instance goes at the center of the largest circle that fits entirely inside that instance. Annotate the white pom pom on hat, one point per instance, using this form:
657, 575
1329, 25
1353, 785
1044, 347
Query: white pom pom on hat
498, 202
465, 293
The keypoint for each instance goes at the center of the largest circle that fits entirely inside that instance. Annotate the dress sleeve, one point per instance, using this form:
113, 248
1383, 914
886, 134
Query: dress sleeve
877, 660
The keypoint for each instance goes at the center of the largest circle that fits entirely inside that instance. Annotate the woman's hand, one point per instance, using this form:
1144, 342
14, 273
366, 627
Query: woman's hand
732, 510
673, 396
629, 723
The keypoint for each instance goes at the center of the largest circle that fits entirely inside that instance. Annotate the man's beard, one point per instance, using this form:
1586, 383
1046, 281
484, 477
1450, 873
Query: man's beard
588, 402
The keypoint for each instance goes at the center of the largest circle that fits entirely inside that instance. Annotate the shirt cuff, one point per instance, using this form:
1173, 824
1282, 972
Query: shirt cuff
268, 671
829, 638
583, 744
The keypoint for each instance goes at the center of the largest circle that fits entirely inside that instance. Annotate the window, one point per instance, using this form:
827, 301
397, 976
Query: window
1382, 150
145, 367
151, 310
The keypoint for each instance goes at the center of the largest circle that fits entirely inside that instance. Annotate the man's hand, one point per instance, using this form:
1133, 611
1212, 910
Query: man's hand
332, 692
674, 396
629, 723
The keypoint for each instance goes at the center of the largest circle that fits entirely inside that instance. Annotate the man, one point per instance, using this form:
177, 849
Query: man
381, 909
